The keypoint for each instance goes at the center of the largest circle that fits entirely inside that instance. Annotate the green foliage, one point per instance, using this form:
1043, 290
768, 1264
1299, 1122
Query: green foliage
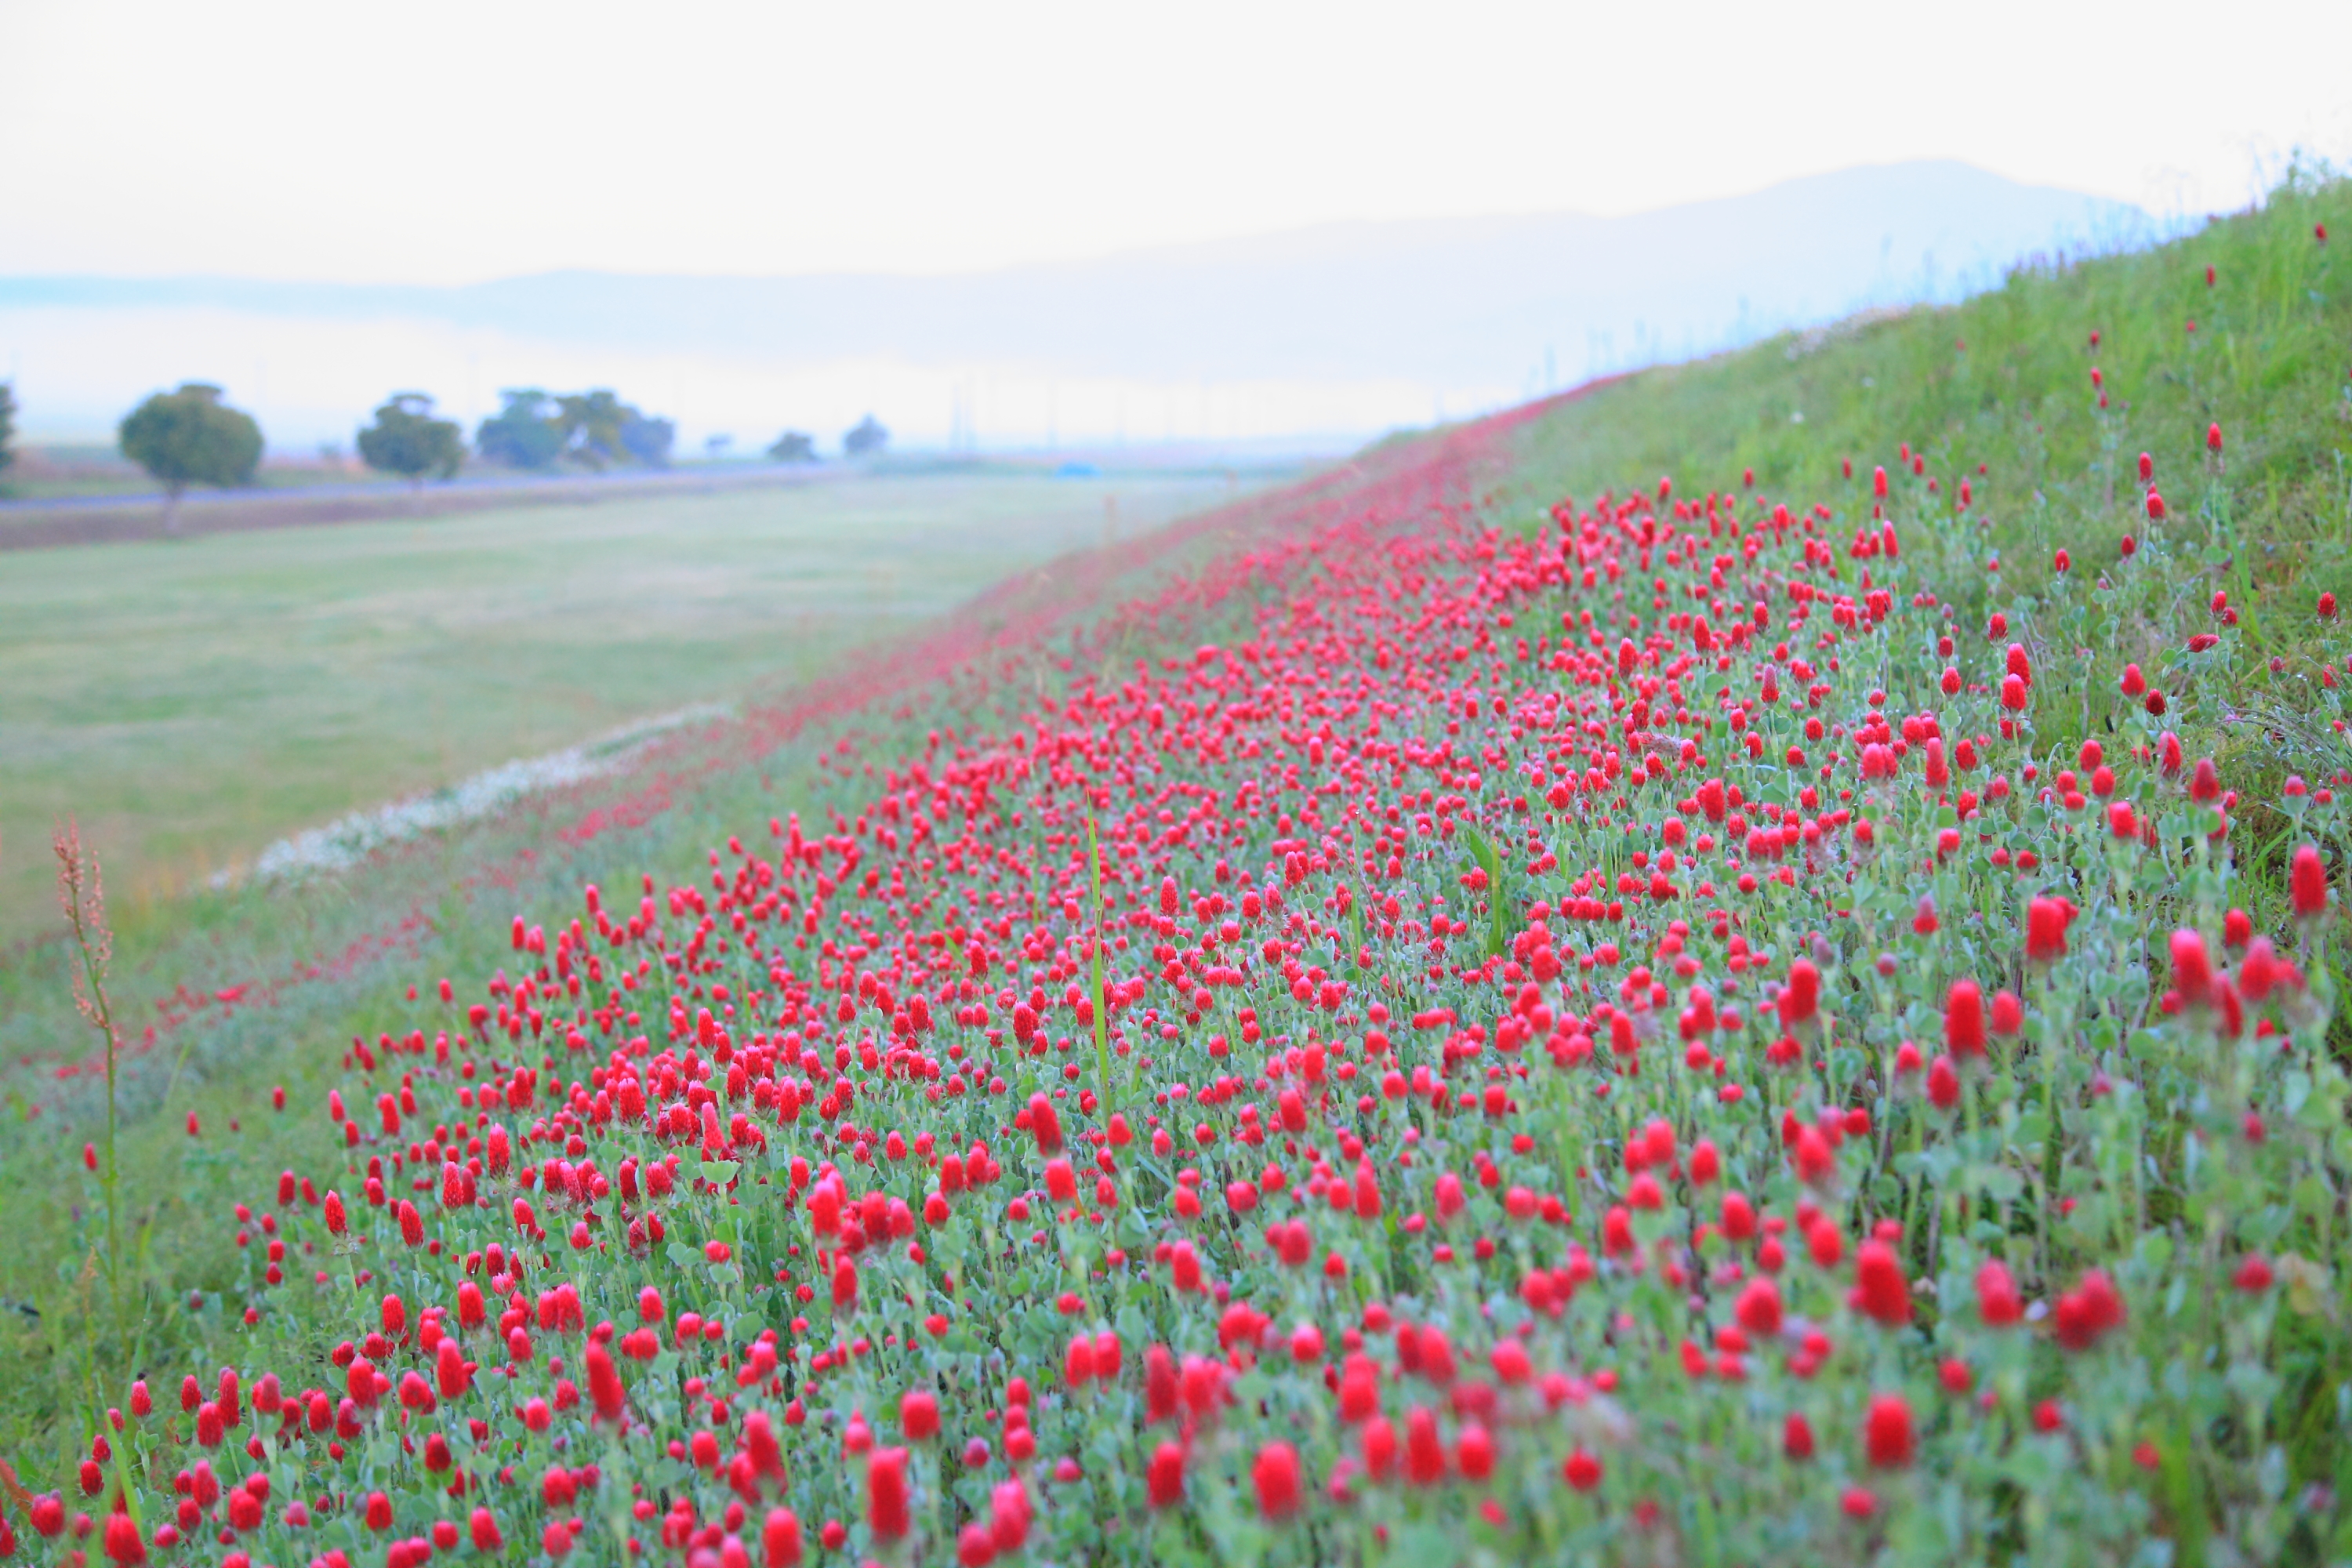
1998, 390
867, 440
793, 446
593, 429
523, 435
192, 438
7, 425
590, 423
405, 439
648, 440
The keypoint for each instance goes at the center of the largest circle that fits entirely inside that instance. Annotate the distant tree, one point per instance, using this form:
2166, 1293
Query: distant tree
647, 440
593, 429
7, 425
191, 438
590, 423
405, 439
867, 439
793, 446
524, 433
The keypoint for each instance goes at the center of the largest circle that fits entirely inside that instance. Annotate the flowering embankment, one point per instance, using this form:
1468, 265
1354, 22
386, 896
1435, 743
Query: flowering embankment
1614, 1040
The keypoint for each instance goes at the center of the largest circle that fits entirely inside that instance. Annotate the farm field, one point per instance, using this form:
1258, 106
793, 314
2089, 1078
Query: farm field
194, 701
56, 472
1742, 966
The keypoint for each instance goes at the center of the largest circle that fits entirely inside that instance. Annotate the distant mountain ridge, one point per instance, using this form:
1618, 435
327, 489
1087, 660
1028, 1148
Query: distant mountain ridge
1445, 304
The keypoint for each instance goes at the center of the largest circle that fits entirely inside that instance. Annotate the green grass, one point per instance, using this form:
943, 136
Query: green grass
1997, 390
194, 701
2270, 362
2003, 381
364, 940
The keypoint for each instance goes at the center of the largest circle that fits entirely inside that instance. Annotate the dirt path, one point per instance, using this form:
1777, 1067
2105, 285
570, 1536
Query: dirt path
85, 520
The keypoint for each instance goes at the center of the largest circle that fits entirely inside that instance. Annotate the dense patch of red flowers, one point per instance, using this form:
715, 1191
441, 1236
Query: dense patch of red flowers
1548, 1035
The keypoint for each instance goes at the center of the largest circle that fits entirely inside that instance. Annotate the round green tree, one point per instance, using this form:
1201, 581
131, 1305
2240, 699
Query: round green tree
405, 439
191, 438
524, 433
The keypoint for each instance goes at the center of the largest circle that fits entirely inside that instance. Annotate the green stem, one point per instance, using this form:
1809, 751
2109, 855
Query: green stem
1095, 914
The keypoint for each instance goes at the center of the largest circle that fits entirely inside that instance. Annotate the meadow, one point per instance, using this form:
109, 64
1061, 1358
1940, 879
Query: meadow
192, 702
1643, 980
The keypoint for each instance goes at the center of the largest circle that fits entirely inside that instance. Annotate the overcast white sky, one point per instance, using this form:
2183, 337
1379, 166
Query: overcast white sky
423, 140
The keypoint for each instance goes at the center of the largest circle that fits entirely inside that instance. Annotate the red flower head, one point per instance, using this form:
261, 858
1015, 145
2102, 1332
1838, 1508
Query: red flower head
844, 1283
1276, 1475
2008, 1014
1165, 1478
1159, 1392
1943, 1084
886, 1492
123, 1542
2046, 929
1045, 1124
1379, 1448
2309, 878
2087, 1312
1964, 1023
1887, 1432
1424, 1456
780, 1539
1758, 1307
1880, 1291
2193, 971
1802, 996
484, 1527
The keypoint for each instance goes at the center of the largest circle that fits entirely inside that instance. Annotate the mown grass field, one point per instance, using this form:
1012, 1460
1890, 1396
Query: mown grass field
193, 702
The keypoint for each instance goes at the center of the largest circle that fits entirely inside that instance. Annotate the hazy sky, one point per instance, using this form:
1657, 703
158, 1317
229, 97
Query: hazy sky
429, 141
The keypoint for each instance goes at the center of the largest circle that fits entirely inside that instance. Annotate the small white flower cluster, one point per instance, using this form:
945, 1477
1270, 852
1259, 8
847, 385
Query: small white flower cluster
348, 840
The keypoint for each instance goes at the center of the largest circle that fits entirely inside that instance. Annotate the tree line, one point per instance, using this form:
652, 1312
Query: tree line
192, 438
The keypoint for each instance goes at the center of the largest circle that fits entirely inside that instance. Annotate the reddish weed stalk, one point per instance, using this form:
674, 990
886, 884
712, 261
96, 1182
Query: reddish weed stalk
82, 890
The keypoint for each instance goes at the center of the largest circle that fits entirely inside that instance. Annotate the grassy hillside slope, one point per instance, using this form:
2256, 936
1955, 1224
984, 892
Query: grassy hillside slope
2246, 326
1363, 860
